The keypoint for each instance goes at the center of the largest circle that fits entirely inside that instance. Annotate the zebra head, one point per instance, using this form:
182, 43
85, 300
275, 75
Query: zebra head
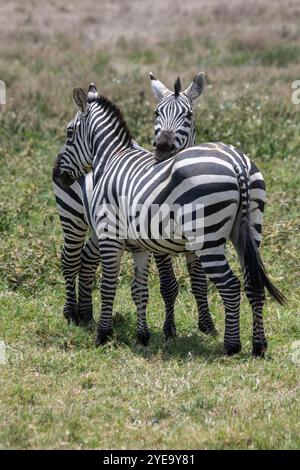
174, 119
75, 158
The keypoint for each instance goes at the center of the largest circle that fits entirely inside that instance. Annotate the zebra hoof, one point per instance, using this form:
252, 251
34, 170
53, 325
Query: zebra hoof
231, 349
259, 349
102, 337
143, 337
70, 313
85, 316
170, 332
89, 324
208, 330
86, 320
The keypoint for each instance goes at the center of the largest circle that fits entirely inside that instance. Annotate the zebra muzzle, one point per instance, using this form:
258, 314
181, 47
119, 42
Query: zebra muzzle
62, 178
165, 145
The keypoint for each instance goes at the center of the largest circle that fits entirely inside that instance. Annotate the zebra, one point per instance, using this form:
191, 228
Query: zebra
207, 174
81, 260
175, 131
175, 111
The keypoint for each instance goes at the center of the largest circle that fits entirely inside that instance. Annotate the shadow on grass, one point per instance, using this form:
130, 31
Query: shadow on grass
187, 346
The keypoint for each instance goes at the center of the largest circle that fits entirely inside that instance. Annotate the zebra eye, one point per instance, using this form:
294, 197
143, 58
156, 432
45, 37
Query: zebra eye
189, 115
70, 133
156, 113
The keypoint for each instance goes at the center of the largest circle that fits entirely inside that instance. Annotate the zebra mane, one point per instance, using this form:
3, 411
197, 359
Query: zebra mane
177, 87
109, 106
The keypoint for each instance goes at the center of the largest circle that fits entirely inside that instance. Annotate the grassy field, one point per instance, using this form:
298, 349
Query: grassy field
57, 390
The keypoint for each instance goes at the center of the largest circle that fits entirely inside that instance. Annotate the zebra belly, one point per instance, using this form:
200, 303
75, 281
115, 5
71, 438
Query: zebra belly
159, 246
204, 176
212, 229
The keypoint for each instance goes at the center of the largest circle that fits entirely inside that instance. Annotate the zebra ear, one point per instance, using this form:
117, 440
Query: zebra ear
159, 89
92, 92
79, 98
196, 87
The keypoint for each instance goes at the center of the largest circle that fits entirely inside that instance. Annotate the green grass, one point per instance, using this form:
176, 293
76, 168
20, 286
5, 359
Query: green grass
142, 56
57, 390
276, 55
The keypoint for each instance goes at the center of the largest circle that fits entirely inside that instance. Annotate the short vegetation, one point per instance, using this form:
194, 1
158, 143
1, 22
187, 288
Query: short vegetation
57, 390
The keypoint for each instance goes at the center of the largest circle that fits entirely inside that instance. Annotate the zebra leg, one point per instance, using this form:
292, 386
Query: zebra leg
139, 292
257, 194
256, 300
90, 260
111, 254
218, 270
199, 289
70, 262
168, 290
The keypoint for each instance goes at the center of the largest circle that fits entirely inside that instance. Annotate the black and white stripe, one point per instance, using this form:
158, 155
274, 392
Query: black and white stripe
81, 258
177, 103
214, 175
174, 116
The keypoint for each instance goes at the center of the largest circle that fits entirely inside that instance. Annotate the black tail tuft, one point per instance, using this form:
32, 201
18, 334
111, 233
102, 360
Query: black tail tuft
253, 263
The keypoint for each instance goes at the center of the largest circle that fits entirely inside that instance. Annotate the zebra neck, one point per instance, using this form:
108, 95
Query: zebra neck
109, 137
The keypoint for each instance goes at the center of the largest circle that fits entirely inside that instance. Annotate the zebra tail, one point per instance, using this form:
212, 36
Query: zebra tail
252, 260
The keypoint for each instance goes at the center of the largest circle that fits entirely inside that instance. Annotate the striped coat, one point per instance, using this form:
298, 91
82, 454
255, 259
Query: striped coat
206, 175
